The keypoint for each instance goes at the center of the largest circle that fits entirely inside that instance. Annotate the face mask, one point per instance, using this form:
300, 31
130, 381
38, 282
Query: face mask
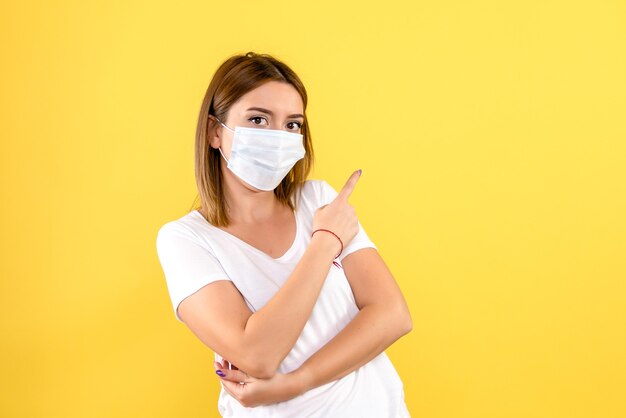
263, 157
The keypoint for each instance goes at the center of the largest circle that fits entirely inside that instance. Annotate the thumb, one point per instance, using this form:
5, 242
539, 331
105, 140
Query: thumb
347, 189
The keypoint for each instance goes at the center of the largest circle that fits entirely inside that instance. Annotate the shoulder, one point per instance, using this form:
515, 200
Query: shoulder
184, 227
318, 190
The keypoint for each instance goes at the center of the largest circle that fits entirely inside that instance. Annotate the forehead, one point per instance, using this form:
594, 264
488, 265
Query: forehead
273, 95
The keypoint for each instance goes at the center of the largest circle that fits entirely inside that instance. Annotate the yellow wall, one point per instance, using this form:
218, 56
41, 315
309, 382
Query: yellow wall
491, 135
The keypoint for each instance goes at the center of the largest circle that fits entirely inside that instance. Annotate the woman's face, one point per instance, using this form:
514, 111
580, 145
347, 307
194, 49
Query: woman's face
272, 105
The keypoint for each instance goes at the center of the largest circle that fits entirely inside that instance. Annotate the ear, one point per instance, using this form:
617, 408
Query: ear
214, 130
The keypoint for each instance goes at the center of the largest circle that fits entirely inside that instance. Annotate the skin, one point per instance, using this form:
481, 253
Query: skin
382, 319
259, 219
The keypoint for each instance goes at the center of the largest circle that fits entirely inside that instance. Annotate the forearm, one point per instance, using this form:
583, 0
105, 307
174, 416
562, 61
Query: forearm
371, 331
273, 330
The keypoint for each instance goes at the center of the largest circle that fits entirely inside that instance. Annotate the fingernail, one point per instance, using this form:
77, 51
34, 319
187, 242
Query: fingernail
220, 373
360, 171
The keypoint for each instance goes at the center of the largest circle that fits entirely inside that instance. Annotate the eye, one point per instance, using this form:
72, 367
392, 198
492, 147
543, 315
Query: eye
258, 120
294, 126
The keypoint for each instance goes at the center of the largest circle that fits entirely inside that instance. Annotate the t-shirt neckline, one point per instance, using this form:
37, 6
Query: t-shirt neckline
283, 257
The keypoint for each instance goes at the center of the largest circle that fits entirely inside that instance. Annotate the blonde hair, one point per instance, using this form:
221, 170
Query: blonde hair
234, 78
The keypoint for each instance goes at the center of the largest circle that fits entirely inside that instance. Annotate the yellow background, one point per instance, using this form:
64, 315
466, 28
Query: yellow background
491, 135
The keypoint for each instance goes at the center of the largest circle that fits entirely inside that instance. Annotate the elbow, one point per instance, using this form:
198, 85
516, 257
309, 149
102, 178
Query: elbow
260, 359
408, 324
404, 321
261, 369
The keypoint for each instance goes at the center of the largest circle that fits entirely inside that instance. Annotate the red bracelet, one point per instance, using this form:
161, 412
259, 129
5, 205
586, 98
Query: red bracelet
336, 236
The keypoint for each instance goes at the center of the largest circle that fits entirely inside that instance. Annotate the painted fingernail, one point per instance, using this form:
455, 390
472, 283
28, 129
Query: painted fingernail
220, 373
360, 171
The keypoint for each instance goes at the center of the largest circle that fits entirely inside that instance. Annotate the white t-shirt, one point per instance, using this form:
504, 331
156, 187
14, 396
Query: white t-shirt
194, 253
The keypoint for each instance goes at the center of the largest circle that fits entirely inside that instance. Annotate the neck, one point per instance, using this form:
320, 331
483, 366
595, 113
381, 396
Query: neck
246, 205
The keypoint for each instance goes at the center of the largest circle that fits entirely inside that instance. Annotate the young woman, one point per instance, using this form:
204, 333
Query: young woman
274, 272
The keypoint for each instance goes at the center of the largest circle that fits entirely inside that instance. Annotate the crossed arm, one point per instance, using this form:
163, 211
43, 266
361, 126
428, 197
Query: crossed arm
383, 317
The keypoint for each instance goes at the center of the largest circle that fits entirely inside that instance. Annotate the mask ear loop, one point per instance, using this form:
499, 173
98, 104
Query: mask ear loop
220, 148
224, 125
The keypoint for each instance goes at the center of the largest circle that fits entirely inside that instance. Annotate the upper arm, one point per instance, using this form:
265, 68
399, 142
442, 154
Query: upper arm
368, 275
203, 296
372, 282
217, 314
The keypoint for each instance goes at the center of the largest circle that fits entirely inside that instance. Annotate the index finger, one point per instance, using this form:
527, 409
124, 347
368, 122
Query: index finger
347, 189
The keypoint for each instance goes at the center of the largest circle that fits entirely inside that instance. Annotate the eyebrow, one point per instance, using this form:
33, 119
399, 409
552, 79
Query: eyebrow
269, 112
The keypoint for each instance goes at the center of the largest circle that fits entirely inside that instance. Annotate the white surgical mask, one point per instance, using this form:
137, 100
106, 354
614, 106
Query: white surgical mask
263, 157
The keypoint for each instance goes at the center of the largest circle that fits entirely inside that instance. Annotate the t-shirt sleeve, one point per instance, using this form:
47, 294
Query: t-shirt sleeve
361, 240
187, 264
